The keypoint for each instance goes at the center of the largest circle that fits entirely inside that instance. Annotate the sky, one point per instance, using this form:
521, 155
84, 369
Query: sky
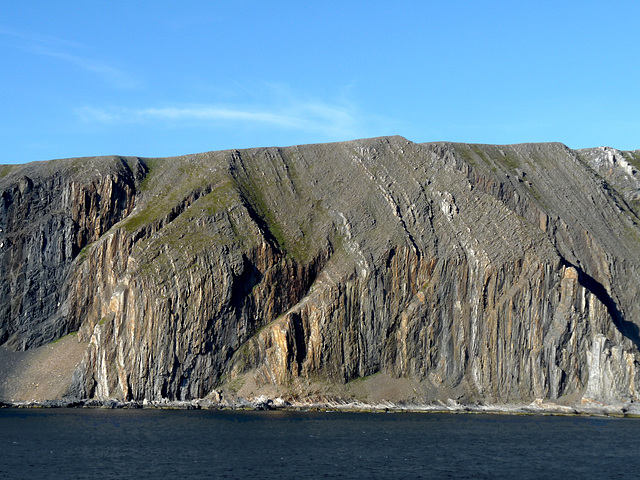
158, 78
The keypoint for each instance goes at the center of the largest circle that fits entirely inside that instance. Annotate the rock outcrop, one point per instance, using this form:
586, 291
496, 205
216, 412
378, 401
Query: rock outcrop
429, 272
49, 212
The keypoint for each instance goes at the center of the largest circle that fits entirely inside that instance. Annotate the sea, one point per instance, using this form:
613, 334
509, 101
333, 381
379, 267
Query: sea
158, 444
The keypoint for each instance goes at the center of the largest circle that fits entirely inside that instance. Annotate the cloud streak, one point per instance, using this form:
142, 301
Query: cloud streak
108, 73
58, 48
37, 38
328, 120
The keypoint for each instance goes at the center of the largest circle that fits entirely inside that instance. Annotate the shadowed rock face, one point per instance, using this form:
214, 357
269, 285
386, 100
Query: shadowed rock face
477, 272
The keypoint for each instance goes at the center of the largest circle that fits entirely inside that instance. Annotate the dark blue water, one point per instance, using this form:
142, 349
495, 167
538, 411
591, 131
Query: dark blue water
120, 444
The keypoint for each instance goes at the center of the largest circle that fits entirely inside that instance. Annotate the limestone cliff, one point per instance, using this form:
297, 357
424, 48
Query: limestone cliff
376, 269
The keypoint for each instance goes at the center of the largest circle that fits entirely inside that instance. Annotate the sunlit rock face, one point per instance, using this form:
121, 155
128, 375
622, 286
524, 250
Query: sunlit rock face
478, 273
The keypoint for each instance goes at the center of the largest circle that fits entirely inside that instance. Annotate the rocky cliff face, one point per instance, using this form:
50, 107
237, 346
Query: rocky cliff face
474, 272
49, 212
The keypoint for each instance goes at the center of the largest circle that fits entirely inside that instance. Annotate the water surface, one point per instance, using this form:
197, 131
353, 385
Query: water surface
99, 443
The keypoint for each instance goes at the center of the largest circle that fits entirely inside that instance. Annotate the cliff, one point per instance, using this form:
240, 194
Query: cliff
374, 270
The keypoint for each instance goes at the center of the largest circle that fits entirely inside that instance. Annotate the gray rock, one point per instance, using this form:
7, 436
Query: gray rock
485, 274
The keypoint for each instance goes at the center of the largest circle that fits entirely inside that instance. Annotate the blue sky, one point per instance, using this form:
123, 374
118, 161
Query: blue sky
161, 78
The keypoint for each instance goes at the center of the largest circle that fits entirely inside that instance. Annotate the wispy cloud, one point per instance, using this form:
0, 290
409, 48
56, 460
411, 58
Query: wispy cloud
114, 76
37, 38
59, 48
322, 118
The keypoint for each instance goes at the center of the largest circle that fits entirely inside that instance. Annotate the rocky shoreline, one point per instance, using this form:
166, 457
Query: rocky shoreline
264, 403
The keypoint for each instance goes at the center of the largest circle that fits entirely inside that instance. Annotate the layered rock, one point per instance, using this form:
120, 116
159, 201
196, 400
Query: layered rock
474, 272
48, 214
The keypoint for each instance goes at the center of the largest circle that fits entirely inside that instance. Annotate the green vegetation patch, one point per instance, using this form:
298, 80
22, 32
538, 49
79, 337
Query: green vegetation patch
357, 380
214, 220
257, 201
82, 255
223, 196
466, 153
5, 169
633, 158
474, 155
509, 161
244, 358
107, 318
236, 384
168, 183
153, 165
489, 155
71, 334
143, 218
284, 203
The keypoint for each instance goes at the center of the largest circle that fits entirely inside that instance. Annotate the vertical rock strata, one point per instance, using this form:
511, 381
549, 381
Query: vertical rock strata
49, 212
480, 273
